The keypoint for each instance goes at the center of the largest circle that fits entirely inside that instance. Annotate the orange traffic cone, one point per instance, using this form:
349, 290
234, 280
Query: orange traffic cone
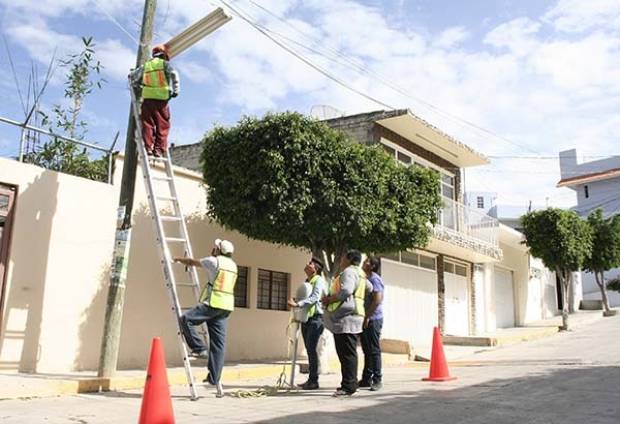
439, 366
156, 402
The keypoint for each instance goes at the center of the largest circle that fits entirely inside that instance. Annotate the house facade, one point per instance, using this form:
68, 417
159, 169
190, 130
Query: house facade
597, 185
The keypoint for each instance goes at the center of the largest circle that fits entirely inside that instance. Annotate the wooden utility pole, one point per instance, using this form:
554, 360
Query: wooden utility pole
116, 295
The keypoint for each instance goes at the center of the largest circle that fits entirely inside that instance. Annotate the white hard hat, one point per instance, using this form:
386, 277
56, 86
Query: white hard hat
226, 247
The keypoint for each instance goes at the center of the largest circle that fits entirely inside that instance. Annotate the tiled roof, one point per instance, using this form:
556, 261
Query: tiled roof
588, 178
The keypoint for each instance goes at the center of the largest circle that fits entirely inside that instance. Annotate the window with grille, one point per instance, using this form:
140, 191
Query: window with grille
272, 290
480, 202
241, 287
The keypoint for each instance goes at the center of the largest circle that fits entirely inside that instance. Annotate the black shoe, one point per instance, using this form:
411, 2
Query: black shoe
203, 354
209, 380
309, 385
363, 383
376, 386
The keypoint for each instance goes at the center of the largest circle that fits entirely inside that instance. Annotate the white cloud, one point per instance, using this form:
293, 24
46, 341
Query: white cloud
518, 35
580, 15
452, 37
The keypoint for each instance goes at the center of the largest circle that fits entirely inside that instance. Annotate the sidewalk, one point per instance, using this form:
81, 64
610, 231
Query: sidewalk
458, 347
23, 386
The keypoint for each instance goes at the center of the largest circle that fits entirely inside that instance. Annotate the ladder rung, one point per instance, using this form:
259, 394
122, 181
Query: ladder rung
185, 285
176, 239
170, 198
162, 178
170, 218
160, 158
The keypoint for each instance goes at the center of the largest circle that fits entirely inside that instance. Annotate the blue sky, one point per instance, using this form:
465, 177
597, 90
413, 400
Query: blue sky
539, 74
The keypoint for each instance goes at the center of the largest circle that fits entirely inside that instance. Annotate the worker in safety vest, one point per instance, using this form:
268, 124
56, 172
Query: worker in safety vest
217, 302
312, 329
344, 316
159, 82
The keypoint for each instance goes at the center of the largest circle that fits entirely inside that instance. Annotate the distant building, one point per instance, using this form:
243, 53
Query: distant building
486, 202
597, 184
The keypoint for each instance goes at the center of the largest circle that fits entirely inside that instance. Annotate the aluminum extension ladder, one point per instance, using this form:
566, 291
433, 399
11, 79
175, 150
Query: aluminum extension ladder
164, 242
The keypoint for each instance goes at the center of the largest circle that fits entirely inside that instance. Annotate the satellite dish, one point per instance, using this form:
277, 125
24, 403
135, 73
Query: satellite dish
322, 112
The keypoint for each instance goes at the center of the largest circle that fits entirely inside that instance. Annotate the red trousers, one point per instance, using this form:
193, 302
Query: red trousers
155, 116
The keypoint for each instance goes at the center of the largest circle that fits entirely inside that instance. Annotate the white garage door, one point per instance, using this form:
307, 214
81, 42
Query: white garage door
456, 300
410, 305
504, 298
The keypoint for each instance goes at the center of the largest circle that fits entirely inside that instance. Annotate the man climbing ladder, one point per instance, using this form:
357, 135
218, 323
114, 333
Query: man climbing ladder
217, 302
159, 82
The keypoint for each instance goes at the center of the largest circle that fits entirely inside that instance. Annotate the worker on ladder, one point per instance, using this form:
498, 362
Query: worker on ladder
159, 82
217, 302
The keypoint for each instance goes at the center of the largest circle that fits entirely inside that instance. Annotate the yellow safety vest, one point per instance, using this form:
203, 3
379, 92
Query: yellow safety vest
155, 83
312, 282
222, 295
359, 293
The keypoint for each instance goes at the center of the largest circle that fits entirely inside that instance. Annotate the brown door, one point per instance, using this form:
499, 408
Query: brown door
7, 202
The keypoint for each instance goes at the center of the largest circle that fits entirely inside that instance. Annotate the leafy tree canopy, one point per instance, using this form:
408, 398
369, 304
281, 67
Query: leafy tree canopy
559, 237
291, 180
605, 242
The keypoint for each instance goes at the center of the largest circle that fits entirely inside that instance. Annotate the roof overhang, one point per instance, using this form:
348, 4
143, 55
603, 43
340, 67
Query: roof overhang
588, 178
432, 139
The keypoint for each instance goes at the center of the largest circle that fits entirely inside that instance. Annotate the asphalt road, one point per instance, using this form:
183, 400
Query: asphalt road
567, 378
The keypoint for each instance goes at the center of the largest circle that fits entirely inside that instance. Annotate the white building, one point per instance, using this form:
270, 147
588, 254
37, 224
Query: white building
597, 185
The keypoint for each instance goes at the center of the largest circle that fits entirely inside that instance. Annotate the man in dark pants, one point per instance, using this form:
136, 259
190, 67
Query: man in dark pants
373, 322
313, 328
159, 82
217, 301
344, 317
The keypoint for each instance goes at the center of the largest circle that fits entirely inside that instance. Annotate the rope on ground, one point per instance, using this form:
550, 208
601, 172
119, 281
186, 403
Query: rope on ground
281, 384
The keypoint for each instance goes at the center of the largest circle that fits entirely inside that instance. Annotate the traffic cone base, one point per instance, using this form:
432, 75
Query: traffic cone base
439, 366
156, 402
449, 378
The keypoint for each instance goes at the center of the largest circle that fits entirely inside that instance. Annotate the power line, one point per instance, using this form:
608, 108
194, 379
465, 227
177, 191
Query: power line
305, 60
116, 23
389, 84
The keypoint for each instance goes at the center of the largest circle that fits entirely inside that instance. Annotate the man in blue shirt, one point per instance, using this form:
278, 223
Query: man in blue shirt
373, 323
313, 328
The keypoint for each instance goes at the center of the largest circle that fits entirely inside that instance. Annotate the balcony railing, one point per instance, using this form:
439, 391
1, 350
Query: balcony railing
464, 221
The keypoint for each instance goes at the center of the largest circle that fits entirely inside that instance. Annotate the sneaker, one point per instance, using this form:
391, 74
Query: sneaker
203, 354
376, 386
363, 383
309, 385
340, 392
157, 154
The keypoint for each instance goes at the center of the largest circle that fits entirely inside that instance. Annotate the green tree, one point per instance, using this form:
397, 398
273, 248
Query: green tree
605, 249
291, 180
82, 77
563, 241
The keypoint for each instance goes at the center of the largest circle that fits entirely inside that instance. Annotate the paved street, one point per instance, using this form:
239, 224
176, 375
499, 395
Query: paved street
568, 378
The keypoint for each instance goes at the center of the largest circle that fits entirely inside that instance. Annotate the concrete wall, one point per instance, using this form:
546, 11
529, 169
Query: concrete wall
49, 322
59, 265
253, 334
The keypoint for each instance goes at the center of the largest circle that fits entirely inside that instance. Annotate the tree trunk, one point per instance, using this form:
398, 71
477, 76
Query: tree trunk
563, 274
601, 285
571, 292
